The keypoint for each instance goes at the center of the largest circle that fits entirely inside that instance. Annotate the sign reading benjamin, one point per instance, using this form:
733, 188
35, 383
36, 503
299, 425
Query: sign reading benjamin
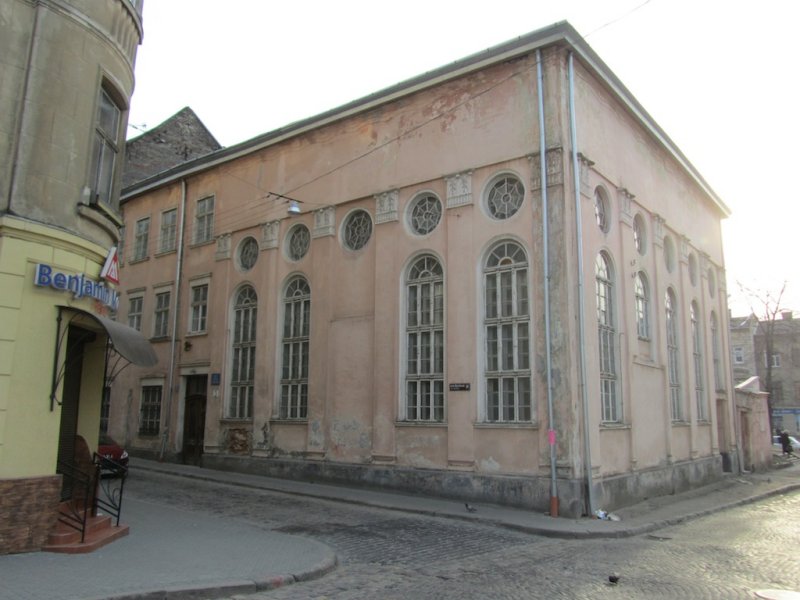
80, 285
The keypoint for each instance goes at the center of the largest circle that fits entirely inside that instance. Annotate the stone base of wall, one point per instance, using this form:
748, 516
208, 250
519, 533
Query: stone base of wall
632, 488
532, 493
28, 511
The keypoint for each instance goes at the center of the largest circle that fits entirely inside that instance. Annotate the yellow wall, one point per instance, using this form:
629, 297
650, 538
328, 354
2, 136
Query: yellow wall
29, 430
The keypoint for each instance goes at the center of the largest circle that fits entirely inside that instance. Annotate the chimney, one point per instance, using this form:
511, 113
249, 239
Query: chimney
786, 315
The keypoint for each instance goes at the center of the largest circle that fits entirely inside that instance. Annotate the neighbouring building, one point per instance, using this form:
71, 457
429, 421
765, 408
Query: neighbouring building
750, 338
498, 281
67, 73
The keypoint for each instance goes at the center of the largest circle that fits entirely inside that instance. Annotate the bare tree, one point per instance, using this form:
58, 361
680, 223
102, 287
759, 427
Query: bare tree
769, 307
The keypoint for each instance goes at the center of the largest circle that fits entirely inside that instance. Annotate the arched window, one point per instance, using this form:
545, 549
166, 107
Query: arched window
294, 372
425, 341
673, 356
243, 351
507, 327
604, 293
642, 304
697, 355
601, 210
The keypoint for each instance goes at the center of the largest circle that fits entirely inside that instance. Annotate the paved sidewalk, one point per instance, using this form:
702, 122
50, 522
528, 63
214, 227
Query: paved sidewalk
173, 553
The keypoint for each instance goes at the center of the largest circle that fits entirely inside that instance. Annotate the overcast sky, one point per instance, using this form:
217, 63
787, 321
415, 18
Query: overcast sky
719, 76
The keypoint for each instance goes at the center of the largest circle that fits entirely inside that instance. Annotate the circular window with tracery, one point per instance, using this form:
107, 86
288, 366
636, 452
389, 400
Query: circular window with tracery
426, 212
357, 230
248, 253
505, 197
298, 242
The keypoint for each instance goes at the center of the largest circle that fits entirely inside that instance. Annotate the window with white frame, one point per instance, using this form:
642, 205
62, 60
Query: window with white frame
150, 410
697, 355
507, 330
738, 355
715, 355
169, 228
243, 351
141, 239
199, 308
504, 197
773, 361
161, 320
135, 305
295, 347
204, 220
106, 149
425, 340
641, 293
673, 356
606, 332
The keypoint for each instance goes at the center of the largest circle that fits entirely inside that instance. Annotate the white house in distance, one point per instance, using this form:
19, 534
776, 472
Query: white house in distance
440, 309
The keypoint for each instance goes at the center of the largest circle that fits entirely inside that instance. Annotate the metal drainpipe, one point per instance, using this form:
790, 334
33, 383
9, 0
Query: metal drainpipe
174, 340
576, 170
551, 429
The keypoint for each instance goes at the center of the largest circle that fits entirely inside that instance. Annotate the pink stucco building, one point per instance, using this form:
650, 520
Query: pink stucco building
442, 310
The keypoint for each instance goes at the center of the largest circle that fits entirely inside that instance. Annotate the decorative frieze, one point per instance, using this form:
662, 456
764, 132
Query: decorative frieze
269, 235
223, 247
386, 206
553, 164
459, 189
624, 198
324, 222
658, 229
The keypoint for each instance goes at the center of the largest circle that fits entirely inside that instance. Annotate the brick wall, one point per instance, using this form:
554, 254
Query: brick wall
28, 511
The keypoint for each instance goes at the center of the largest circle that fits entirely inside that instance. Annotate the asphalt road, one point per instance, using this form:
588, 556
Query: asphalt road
386, 554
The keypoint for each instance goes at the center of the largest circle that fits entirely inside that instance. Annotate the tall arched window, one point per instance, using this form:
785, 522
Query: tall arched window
697, 355
507, 327
425, 341
296, 326
604, 293
642, 303
243, 351
673, 356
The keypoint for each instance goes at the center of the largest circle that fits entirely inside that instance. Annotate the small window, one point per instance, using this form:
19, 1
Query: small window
601, 207
142, 239
505, 197
248, 253
775, 361
169, 226
425, 214
642, 305
738, 355
204, 221
199, 310
161, 322
135, 305
357, 230
639, 235
150, 412
298, 242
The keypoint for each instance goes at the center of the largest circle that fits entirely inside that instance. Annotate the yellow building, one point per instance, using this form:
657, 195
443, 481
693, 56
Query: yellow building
67, 73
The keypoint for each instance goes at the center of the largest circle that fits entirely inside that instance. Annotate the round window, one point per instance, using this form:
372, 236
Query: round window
248, 253
297, 243
357, 230
505, 197
426, 212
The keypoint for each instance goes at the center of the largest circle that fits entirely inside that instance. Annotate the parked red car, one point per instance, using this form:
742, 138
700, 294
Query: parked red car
108, 448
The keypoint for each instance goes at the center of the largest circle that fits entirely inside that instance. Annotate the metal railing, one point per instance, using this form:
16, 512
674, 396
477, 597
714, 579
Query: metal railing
110, 479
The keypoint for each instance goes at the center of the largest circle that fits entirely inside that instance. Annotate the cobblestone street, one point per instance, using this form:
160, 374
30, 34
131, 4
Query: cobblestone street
388, 554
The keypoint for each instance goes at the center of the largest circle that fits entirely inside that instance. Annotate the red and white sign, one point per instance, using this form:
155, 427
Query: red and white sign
110, 270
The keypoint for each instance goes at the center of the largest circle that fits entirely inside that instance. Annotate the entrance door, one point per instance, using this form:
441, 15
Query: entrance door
71, 393
194, 421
